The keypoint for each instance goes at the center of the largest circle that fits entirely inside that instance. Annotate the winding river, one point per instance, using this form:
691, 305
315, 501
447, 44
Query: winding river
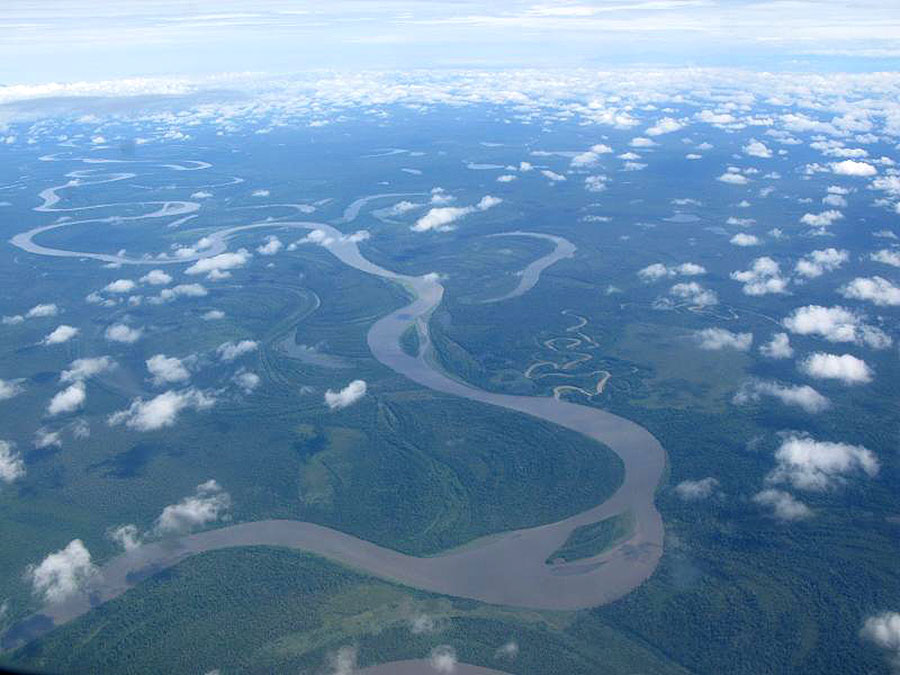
507, 568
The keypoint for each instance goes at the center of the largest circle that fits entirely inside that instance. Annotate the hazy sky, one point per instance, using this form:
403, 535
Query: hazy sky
64, 40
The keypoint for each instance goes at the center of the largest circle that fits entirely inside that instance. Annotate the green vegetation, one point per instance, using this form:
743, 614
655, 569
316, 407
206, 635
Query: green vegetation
595, 538
264, 610
422, 473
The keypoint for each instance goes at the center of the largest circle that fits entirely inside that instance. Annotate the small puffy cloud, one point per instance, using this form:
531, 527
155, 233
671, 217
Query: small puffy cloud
763, 278
441, 218
816, 263
120, 286
733, 178
400, 208
156, 278
664, 126
553, 176
272, 246
213, 315
876, 290
801, 396
10, 388
11, 465
779, 347
595, 183
217, 265
755, 148
42, 311
659, 271
887, 256
246, 380
488, 202
835, 324
229, 351
506, 178
160, 411
821, 220
201, 194
119, 332
846, 368
744, 239
81, 429
654, 272
44, 438
851, 167
696, 490
808, 464
694, 294
126, 536
783, 504
443, 659
82, 369
883, 630
590, 157
715, 339
641, 142
349, 395
208, 504
167, 369
689, 269
180, 291
59, 335
68, 400
260, 193
63, 573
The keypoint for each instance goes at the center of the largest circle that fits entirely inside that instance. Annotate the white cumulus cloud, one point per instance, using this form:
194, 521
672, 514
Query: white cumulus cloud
715, 339
816, 263
63, 573
755, 148
60, 334
160, 411
779, 347
119, 332
835, 324
10, 388
208, 504
883, 630
11, 465
82, 369
156, 278
67, 400
801, 396
346, 396
851, 167
664, 126
845, 367
744, 239
442, 218
229, 351
221, 264
877, 290
763, 278
271, 246
167, 369
696, 490
812, 465
783, 504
